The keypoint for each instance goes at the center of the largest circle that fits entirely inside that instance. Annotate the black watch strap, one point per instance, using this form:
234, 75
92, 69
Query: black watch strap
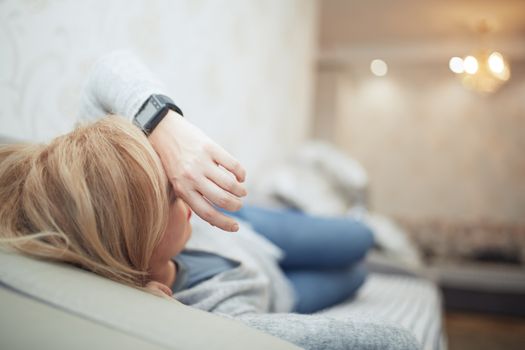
153, 111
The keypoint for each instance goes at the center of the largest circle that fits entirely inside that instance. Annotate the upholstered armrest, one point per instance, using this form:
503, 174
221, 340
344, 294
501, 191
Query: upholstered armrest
46, 305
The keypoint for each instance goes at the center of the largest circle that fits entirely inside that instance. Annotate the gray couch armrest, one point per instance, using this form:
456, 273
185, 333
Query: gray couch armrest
78, 302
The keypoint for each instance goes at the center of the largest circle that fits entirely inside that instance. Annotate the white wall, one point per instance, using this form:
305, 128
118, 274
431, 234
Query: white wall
241, 70
433, 150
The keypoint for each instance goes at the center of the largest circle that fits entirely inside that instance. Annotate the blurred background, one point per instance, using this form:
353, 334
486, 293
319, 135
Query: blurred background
423, 102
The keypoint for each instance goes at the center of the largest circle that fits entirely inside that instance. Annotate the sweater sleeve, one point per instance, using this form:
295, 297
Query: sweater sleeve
118, 83
323, 332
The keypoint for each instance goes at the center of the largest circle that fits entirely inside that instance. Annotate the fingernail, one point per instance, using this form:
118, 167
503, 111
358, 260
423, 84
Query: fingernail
235, 227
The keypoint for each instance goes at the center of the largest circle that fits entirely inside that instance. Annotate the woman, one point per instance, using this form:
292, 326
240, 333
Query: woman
96, 198
120, 83
99, 198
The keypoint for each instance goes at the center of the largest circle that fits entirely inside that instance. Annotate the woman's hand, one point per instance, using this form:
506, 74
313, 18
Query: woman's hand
159, 289
200, 171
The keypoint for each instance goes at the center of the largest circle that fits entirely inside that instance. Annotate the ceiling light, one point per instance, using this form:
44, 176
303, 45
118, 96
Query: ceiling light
456, 65
496, 63
379, 67
470, 64
484, 71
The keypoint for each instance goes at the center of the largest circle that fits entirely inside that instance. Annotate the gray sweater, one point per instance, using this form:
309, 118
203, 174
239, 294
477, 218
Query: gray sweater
256, 292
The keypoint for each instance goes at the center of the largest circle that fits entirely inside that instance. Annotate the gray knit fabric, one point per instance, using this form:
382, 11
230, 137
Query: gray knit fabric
256, 292
118, 83
246, 294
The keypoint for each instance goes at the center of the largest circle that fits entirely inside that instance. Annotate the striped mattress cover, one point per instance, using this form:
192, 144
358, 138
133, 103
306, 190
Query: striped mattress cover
403, 301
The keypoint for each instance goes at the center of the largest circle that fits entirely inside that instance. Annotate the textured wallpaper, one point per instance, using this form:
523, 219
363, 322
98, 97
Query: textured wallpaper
241, 70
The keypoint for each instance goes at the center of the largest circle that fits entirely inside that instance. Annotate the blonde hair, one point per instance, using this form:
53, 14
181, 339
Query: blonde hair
96, 198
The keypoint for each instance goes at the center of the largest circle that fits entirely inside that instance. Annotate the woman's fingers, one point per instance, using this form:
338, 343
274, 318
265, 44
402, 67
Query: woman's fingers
159, 289
225, 180
192, 162
205, 210
223, 158
215, 194
165, 289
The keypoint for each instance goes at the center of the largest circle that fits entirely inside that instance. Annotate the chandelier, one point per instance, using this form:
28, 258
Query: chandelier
484, 71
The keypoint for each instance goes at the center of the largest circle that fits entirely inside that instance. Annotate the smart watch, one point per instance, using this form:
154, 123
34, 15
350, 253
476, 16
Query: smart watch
153, 111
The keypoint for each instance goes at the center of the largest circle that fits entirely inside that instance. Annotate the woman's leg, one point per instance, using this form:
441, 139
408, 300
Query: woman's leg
310, 241
318, 289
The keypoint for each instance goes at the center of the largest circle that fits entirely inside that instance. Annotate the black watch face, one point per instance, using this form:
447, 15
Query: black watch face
146, 114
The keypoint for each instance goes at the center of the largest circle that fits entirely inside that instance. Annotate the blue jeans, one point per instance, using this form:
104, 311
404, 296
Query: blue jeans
322, 255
